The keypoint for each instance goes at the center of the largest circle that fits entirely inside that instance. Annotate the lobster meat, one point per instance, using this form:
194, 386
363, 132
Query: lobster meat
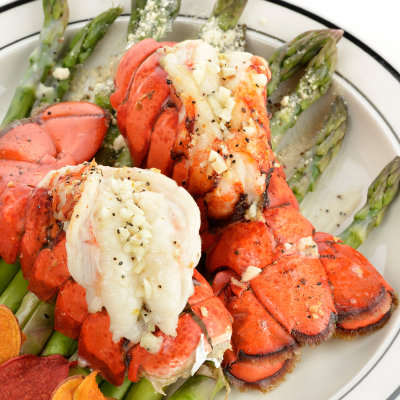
200, 117
123, 268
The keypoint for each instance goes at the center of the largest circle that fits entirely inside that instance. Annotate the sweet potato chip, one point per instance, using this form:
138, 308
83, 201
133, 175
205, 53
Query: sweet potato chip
23, 338
66, 389
30, 377
10, 335
88, 389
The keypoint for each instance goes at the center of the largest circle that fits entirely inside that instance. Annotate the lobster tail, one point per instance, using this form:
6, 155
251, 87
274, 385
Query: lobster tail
253, 363
28, 151
363, 299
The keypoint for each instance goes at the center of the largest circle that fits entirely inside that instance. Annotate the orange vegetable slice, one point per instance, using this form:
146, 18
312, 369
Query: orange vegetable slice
23, 338
66, 389
88, 389
10, 334
32, 377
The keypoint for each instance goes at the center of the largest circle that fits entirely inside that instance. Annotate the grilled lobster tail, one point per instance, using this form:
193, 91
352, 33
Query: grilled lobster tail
70, 245
200, 117
29, 149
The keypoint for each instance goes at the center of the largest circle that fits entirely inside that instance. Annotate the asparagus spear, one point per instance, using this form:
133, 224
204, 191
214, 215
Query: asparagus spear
124, 158
15, 292
102, 98
151, 19
143, 390
315, 160
38, 329
311, 87
115, 392
7, 274
228, 12
77, 370
200, 387
221, 29
28, 306
81, 47
380, 193
137, 6
84, 371
108, 153
59, 344
41, 60
297, 53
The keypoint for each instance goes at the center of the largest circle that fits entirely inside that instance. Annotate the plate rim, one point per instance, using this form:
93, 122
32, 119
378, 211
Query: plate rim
354, 40
385, 64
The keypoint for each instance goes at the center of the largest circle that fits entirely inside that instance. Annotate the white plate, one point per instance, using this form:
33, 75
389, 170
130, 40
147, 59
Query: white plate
331, 370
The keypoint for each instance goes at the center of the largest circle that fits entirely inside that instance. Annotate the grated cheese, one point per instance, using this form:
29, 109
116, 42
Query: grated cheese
61, 73
119, 143
225, 41
87, 82
155, 21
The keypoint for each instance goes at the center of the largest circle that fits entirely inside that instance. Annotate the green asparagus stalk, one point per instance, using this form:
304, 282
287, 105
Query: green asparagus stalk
108, 155
297, 53
59, 344
77, 370
198, 387
314, 83
316, 160
143, 390
7, 274
115, 392
80, 49
15, 292
228, 12
28, 306
97, 29
144, 25
221, 30
207, 382
124, 158
137, 6
38, 329
380, 193
41, 60
102, 99
85, 371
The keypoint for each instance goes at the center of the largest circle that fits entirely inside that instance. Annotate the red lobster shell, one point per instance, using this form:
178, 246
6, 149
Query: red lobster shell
69, 134
284, 284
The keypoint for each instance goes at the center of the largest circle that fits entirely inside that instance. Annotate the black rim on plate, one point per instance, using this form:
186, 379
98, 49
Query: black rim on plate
349, 37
